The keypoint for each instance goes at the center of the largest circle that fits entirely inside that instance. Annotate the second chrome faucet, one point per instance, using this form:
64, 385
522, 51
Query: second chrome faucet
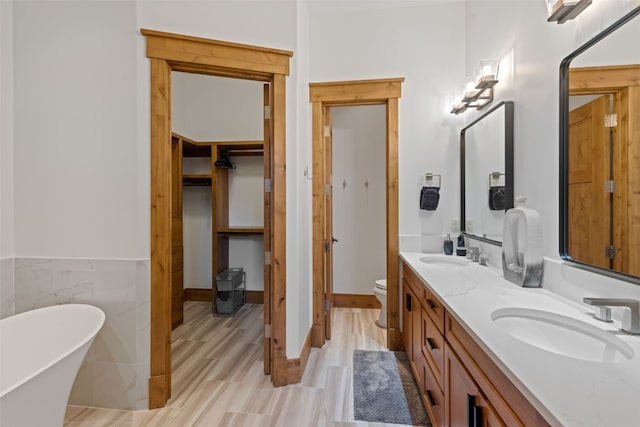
630, 324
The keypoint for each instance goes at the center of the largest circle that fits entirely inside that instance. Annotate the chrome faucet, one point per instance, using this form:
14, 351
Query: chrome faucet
631, 324
473, 253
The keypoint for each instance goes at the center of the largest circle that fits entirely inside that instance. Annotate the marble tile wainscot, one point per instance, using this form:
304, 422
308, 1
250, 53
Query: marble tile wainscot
115, 371
7, 288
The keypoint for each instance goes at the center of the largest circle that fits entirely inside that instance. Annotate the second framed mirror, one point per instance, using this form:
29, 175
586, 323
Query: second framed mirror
486, 173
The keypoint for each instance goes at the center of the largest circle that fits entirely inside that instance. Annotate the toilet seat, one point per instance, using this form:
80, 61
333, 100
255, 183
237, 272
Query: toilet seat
381, 284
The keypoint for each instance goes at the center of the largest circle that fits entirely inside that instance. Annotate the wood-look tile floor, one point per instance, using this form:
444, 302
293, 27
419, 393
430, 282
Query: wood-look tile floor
218, 377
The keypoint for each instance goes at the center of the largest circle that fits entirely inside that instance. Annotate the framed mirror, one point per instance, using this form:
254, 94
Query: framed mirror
486, 173
600, 152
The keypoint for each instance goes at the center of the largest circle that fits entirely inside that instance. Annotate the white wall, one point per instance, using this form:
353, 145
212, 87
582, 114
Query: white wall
196, 230
6, 129
531, 50
7, 291
359, 210
76, 162
301, 291
246, 208
423, 42
212, 108
196, 212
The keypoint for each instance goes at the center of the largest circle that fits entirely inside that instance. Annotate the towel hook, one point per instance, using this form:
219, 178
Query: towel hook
306, 173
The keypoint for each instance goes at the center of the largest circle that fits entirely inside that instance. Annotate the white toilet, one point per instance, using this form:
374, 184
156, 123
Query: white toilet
380, 291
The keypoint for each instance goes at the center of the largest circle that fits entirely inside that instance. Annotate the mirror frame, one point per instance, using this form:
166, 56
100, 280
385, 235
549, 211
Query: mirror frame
508, 166
564, 153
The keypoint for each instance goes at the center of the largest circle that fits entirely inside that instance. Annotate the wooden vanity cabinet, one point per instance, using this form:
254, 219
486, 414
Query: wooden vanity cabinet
460, 384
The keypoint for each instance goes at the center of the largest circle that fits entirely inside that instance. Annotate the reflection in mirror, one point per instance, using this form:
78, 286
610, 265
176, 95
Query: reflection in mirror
600, 151
486, 158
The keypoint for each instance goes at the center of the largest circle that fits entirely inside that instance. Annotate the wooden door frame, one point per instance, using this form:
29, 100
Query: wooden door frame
174, 52
622, 81
354, 93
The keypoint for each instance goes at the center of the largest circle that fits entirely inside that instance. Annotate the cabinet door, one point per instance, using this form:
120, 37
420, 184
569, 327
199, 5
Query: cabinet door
489, 416
407, 306
465, 406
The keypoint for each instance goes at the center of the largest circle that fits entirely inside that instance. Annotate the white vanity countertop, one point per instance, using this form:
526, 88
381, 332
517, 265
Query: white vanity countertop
567, 391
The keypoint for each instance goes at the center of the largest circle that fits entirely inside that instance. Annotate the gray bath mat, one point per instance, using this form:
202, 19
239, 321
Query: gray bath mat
384, 389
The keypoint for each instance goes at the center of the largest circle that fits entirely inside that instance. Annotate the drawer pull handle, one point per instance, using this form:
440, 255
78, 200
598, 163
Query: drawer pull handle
471, 405
474, 413
431, 304
408, 301
432, 401
477, 416
431, 344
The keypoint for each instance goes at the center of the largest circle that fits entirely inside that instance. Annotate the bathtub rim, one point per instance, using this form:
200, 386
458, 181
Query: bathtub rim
89, 337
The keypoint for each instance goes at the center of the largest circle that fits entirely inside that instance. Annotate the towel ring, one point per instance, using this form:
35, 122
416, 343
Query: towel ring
430, 177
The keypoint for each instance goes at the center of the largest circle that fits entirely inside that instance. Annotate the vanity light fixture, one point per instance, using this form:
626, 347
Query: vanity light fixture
478, 90
562, 10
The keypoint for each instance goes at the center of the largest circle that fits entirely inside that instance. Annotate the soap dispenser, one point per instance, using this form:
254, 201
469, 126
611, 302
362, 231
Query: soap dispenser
448, 245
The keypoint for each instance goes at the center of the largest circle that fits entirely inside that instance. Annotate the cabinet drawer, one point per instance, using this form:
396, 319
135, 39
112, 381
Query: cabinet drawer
433, 397
433, 348
412, 280
434, 309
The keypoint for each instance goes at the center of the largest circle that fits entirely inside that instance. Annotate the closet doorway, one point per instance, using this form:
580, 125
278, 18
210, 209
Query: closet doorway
218, 216
324, 96
173, 52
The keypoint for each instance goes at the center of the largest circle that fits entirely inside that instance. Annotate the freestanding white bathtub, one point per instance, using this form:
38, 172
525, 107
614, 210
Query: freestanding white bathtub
40, 354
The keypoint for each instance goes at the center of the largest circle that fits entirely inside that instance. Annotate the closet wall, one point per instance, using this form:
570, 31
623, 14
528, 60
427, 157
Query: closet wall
359, 206
208, 108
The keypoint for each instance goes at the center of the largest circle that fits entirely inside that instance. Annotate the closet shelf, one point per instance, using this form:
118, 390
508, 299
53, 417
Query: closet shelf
240, 230
196, 179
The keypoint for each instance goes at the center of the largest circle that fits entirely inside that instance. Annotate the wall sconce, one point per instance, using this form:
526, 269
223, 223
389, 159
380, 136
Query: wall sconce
478, 90
562, 10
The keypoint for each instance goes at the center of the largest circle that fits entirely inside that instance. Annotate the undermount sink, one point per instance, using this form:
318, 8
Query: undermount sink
444, 260
562, 335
